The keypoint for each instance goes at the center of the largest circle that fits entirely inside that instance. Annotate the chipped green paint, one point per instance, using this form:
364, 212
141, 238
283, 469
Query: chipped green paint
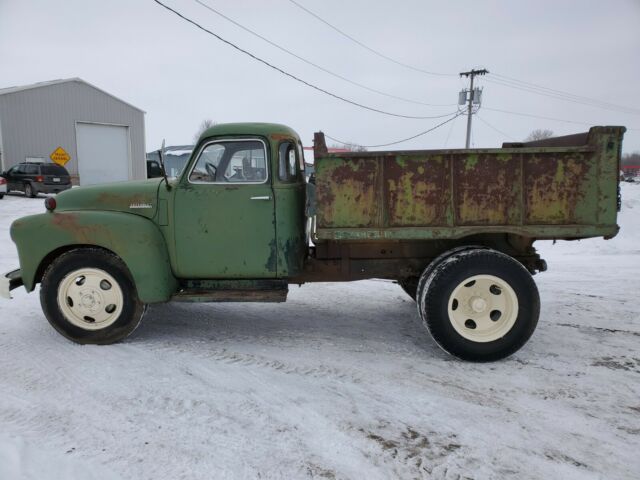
539, 192
470, 161
135, 239
559, 177
187, 231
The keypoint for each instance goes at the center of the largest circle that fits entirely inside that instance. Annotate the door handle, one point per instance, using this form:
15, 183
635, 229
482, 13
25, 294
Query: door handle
264, 197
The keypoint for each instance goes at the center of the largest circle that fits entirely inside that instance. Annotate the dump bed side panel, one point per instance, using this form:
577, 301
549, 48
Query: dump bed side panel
540, 192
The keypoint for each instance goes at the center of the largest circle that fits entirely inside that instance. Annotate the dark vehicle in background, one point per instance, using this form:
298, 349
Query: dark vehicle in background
175, 158
35, 178
153, 169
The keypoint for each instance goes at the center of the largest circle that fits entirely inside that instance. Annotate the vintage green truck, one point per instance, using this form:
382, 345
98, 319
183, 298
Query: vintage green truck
455, 228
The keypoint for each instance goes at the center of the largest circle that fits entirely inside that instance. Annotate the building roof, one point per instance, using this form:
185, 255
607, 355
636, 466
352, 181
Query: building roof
20, 88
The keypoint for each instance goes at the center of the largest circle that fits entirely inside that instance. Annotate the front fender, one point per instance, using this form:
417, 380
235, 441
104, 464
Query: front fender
136, 240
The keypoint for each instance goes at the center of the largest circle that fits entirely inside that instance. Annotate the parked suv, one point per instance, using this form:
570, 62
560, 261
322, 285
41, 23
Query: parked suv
34, 178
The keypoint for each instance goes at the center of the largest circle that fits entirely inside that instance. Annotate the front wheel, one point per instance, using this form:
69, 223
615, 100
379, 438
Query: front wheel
88, 296
479, 305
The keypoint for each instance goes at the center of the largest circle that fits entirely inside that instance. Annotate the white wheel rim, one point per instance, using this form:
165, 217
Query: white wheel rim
90, 298
483, 308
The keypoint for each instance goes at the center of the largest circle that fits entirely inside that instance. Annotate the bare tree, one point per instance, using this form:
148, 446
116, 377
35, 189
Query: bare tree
539, 134
352, 147
206, 123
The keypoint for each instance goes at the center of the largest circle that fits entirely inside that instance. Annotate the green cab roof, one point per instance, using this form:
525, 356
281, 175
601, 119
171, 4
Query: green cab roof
269, 130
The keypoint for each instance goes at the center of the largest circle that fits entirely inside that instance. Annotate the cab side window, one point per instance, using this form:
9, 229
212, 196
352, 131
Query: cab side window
237, 161
288, 159
247, 165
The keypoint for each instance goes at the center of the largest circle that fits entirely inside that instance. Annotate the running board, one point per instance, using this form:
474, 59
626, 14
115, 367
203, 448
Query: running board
232, 291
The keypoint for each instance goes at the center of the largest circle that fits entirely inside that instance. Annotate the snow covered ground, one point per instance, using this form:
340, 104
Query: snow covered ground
339, 382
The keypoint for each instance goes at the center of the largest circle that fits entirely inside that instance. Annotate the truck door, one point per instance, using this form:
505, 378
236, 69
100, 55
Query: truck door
224, 216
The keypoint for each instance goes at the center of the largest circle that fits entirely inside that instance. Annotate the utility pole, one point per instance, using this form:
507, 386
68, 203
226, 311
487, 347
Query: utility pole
471, 74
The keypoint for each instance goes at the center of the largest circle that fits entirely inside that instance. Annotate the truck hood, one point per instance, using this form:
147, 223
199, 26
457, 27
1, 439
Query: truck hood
139, 197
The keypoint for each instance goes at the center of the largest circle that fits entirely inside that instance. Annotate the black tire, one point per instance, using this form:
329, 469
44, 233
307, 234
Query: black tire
439, 282
1, 196
437, 261
29, 191
410, 286
132, 309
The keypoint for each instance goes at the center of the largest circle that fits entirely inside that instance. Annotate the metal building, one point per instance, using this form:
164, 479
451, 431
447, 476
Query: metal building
99, 136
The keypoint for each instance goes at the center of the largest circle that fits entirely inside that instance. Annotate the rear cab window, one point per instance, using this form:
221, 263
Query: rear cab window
288, 162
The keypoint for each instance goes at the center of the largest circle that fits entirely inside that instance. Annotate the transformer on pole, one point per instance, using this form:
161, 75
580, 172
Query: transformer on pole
473, 98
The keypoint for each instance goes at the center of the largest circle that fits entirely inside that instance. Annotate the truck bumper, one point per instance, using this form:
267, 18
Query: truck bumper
8, 282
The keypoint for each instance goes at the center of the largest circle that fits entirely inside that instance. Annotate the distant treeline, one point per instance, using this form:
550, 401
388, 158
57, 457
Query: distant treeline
631, 158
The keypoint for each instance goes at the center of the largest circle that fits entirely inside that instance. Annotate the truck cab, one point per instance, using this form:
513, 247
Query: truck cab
237, 210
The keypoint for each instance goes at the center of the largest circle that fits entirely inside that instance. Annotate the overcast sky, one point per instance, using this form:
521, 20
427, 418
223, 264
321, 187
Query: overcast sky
179, 75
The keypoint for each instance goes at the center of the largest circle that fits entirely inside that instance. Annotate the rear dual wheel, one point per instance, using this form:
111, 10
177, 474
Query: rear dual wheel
88, 296
478, 304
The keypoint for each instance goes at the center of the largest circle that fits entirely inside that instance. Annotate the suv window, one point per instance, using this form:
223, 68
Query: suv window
241, 161
30, 169
53, 170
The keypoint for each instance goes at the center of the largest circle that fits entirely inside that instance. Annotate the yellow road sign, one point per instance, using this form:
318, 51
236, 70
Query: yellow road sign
60, 156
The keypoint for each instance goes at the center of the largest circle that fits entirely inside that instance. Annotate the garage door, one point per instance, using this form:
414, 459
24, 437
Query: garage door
103, 153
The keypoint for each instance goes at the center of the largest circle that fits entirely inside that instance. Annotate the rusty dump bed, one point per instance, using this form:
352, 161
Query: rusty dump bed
565, 187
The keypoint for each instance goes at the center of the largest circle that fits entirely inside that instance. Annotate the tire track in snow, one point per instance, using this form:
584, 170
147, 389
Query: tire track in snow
251, 360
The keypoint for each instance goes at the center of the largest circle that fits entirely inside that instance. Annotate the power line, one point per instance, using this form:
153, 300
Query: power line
546, 118
315, 65
399, 141
446, 142
494, 128
563, 97
512, 80
537, 116
366, 47
298, 79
